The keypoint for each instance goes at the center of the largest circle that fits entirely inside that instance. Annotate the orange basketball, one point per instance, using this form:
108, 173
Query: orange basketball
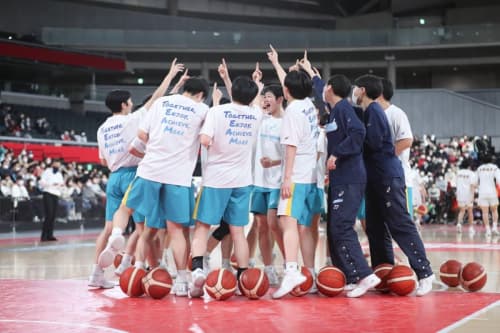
382, 271
254, 283
449, 272
473, 277
131, 281
330, 281
220, 284
401, 280
304, 288
157, 283
422, 210
118, 260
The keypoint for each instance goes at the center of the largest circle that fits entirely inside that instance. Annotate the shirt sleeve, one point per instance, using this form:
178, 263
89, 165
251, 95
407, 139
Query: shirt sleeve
497, 176
145, 122
208, 127
291, 129
138, 114
321, 146
402, 128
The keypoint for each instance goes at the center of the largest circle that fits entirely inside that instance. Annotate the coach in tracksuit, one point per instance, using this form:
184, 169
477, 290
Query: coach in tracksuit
386, 212
346, 133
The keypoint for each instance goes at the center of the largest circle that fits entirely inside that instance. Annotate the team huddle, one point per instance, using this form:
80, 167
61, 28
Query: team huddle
258, 157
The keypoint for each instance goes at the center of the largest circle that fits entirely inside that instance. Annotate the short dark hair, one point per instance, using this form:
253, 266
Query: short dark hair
388, 89
196, 85
115, 99
274, 89
372, 85
341, 85
299, 84
244, 90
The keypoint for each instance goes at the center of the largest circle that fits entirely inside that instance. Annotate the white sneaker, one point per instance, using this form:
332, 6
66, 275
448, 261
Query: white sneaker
122, 267
495, 231
350, 286
206, 265
198, 281
472, 231
115, 245
180, 288
488, 232
425, 285
98, 281
272, 276
459, 228
364, 285
291, 279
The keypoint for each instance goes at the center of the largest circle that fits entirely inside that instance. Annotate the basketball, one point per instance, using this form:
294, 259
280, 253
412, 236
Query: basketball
304, 288
233, 261
131, 281
118, 260
157, 283
382, 271
473, 277
330, 281
401, 280
254, 283
422, 210
449, 272
220, 284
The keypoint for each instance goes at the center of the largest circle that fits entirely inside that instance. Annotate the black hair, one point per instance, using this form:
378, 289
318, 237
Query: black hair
274, 89
299, 84
341, 85
465, 164
387, 89
196, 85
244, 90
115, 99
371, 83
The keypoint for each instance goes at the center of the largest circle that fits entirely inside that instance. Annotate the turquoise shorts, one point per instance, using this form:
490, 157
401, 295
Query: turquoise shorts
301, 203
116, 188
361, 210
264, 199
229, 204
409, 201
160, 202
319, 202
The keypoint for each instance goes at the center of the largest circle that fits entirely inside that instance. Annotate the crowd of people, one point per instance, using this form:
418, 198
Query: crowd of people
21, 125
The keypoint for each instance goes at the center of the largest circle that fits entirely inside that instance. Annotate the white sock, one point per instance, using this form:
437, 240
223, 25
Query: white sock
182, 275
292, 266
311, 270
225, 263
139, 264
251, 262
127, 258
97, 270
117, 231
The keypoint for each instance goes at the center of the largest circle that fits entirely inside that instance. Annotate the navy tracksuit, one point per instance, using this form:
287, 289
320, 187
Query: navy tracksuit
345, 133
386, 211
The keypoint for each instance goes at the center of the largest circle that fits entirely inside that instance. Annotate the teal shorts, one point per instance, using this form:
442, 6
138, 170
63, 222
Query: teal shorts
301, 203
160, 202
319, 202
409, 201
264, 199
361, 210
229, 204
116, 188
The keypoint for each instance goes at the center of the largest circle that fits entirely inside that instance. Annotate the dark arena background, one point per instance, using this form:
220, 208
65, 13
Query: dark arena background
59, 60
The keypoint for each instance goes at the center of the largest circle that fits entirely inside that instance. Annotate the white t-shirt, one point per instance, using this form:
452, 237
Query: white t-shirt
416, 183
487, 173
321, 165
52, 182
114, 137
268, 145
173, 124
400, 129
465, 179
233, 129
300, 129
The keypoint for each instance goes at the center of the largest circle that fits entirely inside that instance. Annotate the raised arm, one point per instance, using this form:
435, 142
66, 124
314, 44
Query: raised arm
257, 78
162, 88
273, 58
224, 75
180, 83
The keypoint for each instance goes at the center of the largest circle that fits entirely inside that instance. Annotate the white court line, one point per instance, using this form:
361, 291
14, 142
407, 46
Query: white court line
47, 248
468, 318
102, 328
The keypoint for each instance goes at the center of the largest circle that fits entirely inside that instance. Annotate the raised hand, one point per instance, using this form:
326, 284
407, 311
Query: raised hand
175, 68
273, 55
257, 73
216, 95
223, 71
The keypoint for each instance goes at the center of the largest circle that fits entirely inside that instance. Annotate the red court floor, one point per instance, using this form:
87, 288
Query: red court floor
43, 288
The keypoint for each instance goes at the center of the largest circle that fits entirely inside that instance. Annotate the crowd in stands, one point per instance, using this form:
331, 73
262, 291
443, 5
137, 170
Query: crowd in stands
21, 125
84, 193
437, 163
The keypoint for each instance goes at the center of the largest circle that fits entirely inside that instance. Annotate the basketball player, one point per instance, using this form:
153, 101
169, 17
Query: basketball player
114, 137
299, 133
466, 183
229, 134
386, 208
162, 189
488, 176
